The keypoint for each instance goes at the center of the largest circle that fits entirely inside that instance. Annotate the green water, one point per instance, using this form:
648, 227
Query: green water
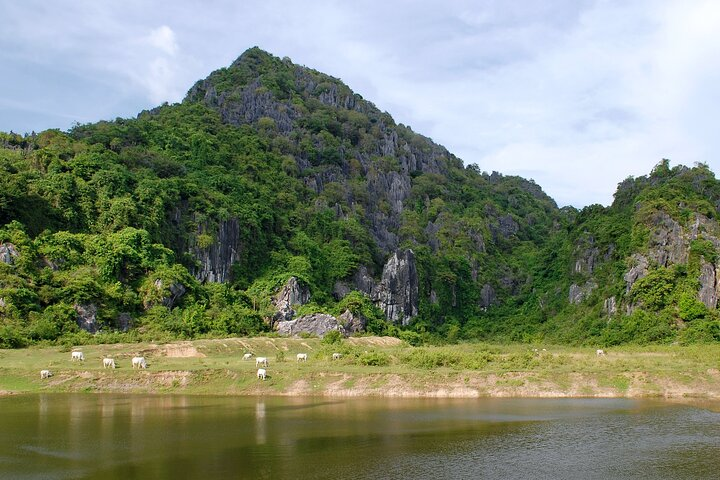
186, 437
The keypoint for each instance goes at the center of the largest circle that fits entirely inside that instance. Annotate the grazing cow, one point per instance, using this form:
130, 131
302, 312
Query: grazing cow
261, 361
599, 352
247, 356
77, 356
139, 362
262, 373
302, 357
108, 363
45, 374
337, 356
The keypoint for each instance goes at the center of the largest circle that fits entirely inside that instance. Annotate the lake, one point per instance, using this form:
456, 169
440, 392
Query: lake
88, 436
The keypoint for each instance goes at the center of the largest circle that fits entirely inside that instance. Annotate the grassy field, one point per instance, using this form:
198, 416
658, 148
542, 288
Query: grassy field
371, 366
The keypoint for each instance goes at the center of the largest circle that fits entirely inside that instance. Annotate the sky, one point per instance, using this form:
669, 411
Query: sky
575, 94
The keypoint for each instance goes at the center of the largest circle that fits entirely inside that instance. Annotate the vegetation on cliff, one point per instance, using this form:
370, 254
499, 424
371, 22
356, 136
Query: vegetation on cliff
187, 221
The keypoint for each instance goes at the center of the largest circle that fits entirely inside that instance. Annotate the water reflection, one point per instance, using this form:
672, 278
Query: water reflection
134, 436
260, 431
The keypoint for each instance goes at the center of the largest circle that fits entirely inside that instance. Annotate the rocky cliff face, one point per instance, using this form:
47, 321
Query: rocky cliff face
397, 292
214, 262
290, 295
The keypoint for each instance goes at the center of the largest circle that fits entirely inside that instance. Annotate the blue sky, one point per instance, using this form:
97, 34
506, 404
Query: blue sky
576, 94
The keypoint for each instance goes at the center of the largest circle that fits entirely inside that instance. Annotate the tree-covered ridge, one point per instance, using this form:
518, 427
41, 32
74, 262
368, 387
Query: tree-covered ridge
189, 218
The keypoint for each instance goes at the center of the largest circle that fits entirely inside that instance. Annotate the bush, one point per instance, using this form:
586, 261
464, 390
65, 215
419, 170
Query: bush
429, 359
374, 358
411, 337
10, 337
332, 337
700, 331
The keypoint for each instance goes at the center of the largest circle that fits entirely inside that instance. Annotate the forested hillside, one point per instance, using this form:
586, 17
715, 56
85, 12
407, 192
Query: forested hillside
275, 198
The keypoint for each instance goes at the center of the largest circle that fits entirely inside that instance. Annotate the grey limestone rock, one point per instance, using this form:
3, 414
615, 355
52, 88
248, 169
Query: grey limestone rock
638, 270
8, 253
87, 317
352, 323
610, 306
315, 324
215, 262
505, 227
668, 245
291, 294
579, 293
487, 296
397, 292
431, 231
708, 293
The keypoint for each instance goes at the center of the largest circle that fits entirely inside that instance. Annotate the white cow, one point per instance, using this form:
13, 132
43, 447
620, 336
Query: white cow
108, 363
139, 362
599, 352
247, 356
77, 356
301, 357
337, 356
262, 373
261, 361
45, 374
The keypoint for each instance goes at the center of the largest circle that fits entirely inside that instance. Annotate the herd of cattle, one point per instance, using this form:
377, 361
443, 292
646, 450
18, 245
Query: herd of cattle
140, 362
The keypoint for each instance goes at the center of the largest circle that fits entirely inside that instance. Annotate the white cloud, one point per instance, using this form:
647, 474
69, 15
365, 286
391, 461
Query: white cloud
163, 38
577, 94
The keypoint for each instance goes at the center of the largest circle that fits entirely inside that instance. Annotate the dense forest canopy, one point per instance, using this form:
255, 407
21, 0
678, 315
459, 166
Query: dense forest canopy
193, 219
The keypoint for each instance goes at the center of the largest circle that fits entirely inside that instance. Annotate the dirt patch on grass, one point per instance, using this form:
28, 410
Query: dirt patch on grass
175, 350
375, 341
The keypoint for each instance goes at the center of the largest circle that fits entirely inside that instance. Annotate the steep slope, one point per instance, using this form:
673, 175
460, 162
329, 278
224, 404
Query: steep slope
645, 268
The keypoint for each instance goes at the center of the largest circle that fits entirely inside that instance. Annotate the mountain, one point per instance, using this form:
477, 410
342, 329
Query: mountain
274, 197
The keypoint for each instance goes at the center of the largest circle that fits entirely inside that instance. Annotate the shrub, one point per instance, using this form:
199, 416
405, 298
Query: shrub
374, 358
332, 337
428, 359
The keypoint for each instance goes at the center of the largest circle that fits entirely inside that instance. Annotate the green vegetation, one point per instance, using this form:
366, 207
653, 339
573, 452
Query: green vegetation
184, 222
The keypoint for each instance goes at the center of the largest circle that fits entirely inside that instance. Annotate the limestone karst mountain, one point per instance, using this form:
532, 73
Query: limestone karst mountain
273, 193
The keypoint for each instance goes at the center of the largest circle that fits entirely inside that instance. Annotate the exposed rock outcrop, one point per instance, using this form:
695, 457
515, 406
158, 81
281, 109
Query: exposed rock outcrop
505, 227
315, 324
579, 293
708, 293
8, 253
487, 296
610, 306
216, 260
87, 317
352, 323
397, 292
668, 245
637, 271
291, 294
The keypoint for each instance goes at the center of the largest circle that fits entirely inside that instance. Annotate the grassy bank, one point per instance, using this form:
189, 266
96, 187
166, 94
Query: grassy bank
371, 366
